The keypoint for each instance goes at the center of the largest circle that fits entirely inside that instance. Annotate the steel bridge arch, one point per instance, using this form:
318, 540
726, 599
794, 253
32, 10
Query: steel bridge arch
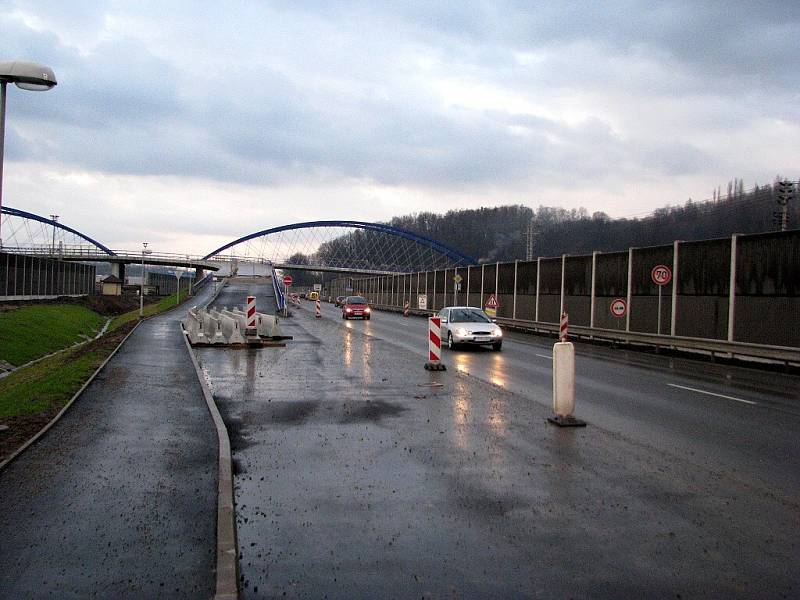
459, 258
15, 212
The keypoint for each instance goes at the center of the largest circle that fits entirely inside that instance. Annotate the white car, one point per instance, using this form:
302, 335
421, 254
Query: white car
469, 325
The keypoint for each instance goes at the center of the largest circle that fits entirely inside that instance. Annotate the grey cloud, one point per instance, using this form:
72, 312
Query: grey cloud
346, 105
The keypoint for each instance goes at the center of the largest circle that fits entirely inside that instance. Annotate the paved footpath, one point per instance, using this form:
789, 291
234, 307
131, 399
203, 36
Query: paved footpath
118, 499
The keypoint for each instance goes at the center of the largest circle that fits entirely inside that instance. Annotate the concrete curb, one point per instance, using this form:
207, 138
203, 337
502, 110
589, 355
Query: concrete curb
227, 565
66, 407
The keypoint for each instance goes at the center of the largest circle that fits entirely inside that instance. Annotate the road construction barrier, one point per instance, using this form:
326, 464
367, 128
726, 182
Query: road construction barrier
239, 316
564, 386
563, 327
435, 345
212, 329
251, 315
230, 329
194, 327
406, 308
317, 310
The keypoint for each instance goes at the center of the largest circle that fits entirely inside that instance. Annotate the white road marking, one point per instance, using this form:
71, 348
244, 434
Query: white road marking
683, 387
547, 356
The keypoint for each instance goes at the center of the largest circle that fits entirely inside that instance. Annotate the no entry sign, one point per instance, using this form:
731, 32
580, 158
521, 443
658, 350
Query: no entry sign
619, 307
287, 280
661, 274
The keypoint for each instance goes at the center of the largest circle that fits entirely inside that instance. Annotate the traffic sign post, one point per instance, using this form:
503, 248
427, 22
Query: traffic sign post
457, 279
661, 276
287, 281
619, 307
491, 306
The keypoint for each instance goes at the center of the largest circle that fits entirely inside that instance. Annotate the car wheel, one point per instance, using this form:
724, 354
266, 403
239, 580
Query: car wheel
450, 343
367, 318
497, 346
344, 316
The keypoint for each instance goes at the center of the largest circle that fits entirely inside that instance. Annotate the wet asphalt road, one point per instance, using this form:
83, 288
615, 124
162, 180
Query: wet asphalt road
358, 479
118, 500
664, 402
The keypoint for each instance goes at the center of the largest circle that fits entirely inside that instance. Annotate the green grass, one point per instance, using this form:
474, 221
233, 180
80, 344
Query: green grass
149, 310
32, 331
49, 383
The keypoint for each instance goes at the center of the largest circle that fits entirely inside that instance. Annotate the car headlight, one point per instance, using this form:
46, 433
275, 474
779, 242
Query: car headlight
366, 310
498, 332
462, 332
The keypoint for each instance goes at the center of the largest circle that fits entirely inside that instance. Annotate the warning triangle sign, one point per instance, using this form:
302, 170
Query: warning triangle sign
491, 302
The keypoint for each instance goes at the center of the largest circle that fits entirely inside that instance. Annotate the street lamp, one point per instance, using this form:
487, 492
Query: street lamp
27, 76
141, 291
189, 273
55, 218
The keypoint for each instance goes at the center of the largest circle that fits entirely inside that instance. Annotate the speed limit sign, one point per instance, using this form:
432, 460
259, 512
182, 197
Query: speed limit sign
661, 274
619, 307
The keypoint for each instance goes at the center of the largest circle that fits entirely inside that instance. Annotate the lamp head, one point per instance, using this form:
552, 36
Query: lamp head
27, 75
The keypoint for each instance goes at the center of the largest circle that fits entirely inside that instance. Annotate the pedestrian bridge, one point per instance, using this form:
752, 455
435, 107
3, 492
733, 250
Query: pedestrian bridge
343, 246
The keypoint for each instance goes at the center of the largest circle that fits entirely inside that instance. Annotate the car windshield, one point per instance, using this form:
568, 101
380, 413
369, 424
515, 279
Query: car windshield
468, 315
356, 300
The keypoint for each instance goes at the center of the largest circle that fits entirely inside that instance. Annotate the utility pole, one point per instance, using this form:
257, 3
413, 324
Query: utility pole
785, 194
529, 234
55, 218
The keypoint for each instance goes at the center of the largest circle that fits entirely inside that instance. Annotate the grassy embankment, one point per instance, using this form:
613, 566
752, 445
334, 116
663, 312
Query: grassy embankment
44, 387
33, 331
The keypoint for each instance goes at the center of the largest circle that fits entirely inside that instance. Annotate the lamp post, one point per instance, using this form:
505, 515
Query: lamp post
141, 291
55, 219
27, 76
189, 273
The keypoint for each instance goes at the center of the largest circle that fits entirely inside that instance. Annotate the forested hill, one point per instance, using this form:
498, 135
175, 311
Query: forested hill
499, 234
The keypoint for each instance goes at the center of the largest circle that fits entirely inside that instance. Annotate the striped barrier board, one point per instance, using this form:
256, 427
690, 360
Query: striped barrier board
435, 345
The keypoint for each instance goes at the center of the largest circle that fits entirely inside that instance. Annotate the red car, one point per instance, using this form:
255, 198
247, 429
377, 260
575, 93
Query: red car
355, 306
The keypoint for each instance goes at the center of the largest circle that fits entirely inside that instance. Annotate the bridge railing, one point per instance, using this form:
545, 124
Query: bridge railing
280, 299
92, 253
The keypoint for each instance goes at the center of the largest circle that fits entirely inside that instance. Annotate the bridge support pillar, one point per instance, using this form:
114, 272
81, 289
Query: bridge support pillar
118, 270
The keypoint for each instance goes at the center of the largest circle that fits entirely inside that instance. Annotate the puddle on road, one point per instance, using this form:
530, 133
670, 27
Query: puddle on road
371, 411
292, 413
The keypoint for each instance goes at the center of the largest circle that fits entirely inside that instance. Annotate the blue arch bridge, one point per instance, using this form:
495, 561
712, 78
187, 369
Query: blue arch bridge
340, 246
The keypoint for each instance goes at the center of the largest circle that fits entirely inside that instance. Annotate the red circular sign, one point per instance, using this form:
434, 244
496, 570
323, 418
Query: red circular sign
287, 280
619, 307
661, 274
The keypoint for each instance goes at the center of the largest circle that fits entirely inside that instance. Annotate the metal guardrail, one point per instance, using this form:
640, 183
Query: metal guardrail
280, 299
782, 354
87, 253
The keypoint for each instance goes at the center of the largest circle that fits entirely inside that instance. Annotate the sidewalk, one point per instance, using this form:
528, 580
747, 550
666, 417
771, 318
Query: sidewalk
118, 499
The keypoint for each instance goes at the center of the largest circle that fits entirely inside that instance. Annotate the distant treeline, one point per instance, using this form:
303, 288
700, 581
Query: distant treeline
501, 233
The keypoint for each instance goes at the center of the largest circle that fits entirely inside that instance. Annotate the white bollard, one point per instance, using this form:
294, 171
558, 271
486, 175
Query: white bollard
564, 386
435, 345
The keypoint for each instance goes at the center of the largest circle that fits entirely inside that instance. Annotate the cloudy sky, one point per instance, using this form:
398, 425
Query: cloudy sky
190, 123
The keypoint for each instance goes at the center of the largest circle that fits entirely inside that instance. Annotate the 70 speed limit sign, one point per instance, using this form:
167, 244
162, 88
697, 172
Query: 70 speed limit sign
661, 274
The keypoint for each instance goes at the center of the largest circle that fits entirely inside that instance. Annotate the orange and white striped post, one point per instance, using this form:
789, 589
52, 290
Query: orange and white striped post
406, 308
435, 345
251, 316
564, 328
318, 310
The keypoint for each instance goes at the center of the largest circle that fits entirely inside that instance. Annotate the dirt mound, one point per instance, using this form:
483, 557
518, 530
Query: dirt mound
108, 306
